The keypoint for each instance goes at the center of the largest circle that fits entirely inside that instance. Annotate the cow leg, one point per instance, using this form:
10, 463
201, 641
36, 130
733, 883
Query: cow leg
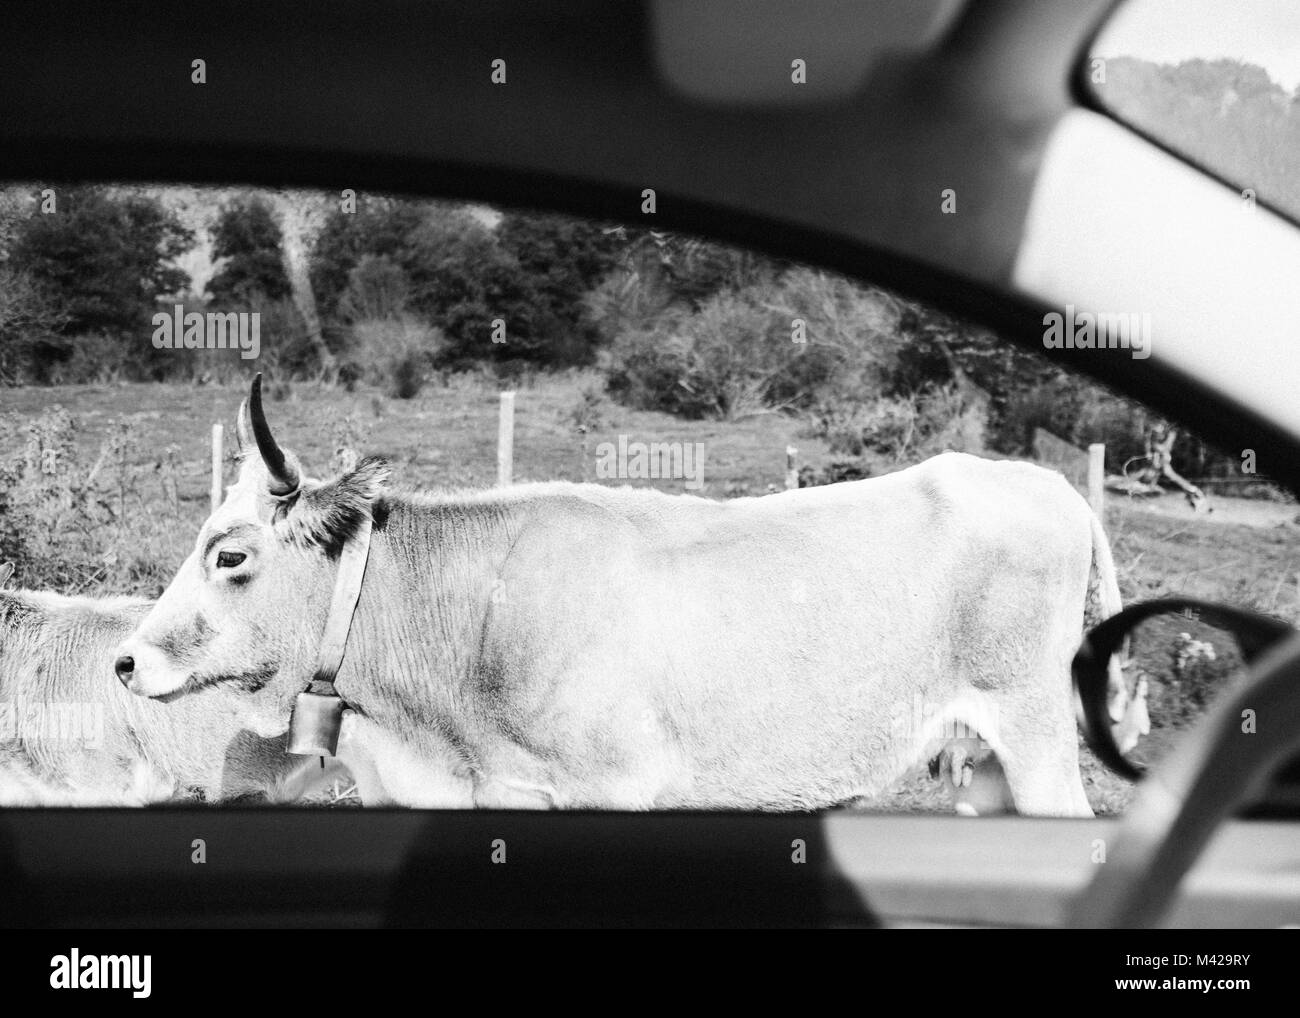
391, 771
356, 751
1049, 795
1033, 730
1047, 783
370, 787
307, 778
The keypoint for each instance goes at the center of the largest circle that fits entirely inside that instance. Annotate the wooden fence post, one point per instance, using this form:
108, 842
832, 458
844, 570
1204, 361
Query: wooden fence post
218, 489
1097, 479
506, 440
791, 469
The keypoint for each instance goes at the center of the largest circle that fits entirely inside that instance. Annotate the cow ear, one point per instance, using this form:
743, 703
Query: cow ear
6, 571
329, 514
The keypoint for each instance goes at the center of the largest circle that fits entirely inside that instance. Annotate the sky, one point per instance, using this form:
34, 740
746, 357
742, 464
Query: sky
1263, 32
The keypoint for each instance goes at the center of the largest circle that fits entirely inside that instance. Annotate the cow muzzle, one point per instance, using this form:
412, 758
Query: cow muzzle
145, 672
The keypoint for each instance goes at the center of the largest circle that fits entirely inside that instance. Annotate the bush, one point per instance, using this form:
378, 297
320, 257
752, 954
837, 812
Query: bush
903, 429
731, 359
1196, 673
378, 288
648, 371
1080, 413
626, 301
589, 412
811, 337
286, 350
837, 471
395, 353
30, 322
95, 359
72, 523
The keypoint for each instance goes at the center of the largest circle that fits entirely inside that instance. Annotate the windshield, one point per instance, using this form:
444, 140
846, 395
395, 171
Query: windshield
1218, 84
643, 521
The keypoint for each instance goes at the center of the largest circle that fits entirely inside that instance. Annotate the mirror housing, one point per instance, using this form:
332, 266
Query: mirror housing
1254, 633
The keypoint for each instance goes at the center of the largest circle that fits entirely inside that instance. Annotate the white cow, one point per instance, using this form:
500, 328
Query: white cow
71, 735
565, 645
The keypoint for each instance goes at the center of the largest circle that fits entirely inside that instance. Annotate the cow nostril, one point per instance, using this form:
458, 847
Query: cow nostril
125, 668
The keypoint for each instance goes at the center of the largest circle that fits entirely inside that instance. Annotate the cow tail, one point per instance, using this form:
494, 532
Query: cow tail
1103, 602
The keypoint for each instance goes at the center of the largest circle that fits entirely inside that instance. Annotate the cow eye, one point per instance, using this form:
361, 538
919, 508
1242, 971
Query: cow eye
229, 559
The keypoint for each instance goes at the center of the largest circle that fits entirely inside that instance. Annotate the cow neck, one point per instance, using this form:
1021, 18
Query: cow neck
418, 636
353, 559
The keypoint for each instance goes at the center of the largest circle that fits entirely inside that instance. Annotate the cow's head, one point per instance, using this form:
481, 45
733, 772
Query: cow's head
248, 606
1128, 710
1134, 722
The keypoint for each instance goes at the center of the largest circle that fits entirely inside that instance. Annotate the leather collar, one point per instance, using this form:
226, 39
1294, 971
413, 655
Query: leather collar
343, 605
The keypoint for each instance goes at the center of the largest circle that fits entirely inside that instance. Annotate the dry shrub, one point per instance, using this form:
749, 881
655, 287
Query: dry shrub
72, 522
394, 353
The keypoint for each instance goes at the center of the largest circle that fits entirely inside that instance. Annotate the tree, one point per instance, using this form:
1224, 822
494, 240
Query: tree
560, 259
29, 319
380, 227
464, 281
247, 237
16, 205
106, 258
392, 264
466, 272
300, 216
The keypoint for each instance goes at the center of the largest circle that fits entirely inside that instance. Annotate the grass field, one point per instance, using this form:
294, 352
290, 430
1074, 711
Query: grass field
443, 438
446, 438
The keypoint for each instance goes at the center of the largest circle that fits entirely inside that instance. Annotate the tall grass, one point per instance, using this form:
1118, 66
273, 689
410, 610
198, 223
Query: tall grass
107, 524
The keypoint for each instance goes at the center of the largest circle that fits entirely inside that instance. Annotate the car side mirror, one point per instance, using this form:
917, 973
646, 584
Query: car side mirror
1158, 628
1225, 759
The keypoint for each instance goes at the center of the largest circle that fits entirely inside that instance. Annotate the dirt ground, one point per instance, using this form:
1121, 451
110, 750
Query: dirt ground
1250, 512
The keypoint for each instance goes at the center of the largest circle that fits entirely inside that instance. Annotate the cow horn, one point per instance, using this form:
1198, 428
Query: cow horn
243, 436
284, 478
